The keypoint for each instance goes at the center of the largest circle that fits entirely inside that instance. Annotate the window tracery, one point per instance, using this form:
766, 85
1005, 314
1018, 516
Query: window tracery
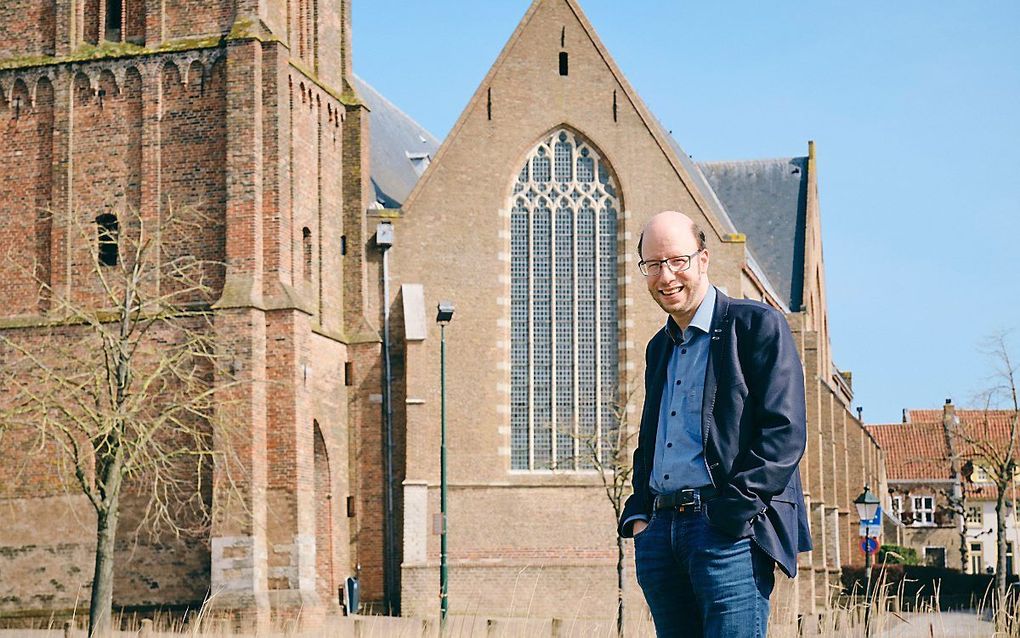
563, 307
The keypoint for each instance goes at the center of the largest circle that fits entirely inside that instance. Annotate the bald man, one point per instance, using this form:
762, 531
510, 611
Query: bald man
717, 500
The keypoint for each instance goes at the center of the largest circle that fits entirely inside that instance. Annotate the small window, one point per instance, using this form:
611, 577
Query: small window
564, 63
109, 234
114, 16
343, 245
924, 510
977, 559
420, 161
974, 515
897, 507
306, 244
935, 556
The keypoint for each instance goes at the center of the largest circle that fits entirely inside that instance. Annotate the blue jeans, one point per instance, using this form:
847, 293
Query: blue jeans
699, 581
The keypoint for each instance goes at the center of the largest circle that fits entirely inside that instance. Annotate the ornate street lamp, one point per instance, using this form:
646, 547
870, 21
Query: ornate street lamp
867, 507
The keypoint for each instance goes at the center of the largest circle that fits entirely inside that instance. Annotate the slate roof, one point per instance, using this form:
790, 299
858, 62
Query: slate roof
397, 143
916, 449
767, 201
721, 211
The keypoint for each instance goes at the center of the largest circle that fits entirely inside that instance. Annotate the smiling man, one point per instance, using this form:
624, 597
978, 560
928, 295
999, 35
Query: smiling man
717, 500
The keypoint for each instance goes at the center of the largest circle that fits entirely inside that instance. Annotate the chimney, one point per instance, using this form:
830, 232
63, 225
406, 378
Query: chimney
949, 413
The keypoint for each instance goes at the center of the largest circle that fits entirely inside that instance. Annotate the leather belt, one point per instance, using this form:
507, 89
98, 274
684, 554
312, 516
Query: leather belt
682, 500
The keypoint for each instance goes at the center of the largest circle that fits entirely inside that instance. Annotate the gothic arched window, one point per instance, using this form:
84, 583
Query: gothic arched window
564, 340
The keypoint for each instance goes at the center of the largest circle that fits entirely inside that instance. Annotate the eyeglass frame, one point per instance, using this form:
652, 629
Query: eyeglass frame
660, 262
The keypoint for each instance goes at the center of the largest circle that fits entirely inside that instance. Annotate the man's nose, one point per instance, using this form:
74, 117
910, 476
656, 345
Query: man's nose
666, 274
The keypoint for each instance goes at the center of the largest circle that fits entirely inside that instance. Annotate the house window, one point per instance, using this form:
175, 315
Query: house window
897, 507
563, 307
935, 556
924, 510
108, 238
974, 514
564, 63
977, 559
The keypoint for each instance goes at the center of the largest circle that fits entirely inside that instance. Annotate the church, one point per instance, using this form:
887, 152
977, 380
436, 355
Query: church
341, 224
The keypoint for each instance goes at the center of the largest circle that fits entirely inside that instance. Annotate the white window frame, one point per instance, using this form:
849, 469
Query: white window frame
923, 516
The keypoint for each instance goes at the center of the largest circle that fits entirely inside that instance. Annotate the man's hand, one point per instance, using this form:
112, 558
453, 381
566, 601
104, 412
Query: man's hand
639, 526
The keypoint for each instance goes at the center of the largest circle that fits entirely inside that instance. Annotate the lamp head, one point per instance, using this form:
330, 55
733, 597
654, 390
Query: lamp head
444, 312
867, 504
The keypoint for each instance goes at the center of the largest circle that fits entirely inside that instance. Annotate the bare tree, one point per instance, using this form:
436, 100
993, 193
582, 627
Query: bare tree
610, 457
994, 441
119, 379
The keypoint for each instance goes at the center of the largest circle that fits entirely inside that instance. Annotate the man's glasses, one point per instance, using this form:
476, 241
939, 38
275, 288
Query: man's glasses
653, 267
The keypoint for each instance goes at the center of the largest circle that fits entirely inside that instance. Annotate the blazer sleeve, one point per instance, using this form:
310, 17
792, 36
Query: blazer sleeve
775, 380
638, 504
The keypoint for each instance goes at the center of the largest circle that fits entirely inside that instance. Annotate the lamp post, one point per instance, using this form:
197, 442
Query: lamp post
867, 507
444, 315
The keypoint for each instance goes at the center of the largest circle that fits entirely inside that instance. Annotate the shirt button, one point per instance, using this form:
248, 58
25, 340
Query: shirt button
673, 413
666, 477
683, 351
678, 383
669, 445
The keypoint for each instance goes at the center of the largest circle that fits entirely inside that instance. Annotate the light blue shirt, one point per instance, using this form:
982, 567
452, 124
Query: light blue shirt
679, 451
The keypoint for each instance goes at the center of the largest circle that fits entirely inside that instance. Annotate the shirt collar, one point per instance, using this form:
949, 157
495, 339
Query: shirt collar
702, 319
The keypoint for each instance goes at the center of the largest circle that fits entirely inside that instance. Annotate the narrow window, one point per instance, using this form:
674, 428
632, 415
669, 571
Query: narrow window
563, 63
614, 106
114, 14
488, 103
343, 245
109, 232
306, 244
348, 373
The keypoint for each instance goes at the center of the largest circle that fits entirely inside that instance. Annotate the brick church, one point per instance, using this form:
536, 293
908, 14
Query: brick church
526, 217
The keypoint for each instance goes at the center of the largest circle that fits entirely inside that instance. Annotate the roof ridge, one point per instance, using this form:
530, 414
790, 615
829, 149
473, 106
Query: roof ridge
393, 106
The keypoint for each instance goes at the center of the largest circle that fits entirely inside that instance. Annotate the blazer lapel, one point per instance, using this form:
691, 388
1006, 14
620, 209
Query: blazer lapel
718, 334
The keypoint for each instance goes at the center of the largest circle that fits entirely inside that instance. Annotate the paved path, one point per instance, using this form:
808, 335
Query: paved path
948, 624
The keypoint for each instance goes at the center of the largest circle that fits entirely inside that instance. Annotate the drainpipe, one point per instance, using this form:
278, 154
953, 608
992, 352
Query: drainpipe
384, 240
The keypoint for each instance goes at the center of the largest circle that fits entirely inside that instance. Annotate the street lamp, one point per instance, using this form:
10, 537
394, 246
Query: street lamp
867, 508
444, 315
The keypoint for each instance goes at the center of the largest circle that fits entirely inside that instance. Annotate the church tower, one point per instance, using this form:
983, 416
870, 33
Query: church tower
243, 112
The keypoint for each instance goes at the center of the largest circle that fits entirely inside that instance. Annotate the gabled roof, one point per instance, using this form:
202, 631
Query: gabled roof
767, 201
400, 147
916, 449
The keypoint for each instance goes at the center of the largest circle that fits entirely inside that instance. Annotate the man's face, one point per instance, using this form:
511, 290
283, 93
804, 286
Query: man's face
679, 294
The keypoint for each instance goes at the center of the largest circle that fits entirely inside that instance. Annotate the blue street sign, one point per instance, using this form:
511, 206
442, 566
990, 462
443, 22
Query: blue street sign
869, 545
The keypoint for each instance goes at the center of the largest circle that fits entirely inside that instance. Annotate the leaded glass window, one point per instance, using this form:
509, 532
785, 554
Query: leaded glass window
564, 362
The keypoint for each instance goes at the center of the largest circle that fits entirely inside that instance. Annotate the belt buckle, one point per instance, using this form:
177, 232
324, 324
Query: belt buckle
687, 499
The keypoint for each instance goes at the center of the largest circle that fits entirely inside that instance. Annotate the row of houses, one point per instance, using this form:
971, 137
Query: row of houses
950, 522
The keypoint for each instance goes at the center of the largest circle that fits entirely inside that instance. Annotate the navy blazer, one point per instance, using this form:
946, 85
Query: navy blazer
753, 427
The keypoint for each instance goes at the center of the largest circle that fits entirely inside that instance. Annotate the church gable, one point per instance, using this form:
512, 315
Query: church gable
555, 71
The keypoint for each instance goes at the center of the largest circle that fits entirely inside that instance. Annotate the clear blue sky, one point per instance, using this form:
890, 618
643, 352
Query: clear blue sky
915, 109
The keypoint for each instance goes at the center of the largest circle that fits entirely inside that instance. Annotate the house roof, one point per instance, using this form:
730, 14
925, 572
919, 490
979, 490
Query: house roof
767, 201
916, 449
400, 147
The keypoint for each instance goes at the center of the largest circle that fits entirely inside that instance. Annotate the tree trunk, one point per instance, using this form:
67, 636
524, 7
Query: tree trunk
101, 605
1000, 560
619, 585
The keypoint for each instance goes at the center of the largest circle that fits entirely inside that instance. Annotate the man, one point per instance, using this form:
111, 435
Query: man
717, 497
